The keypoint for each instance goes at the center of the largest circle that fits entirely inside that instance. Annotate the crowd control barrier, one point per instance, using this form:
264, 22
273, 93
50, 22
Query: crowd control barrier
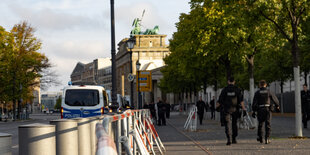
191, 121
131, 132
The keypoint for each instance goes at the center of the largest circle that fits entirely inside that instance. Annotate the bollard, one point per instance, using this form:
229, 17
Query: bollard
66, 136
37, 139
5, 144
83, 136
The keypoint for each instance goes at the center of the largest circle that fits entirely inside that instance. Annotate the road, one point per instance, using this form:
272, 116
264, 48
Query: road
12, 127
208, 139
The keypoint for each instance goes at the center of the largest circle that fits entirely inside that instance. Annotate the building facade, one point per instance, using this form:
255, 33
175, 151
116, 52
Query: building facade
150, 50
48, 100
97, 72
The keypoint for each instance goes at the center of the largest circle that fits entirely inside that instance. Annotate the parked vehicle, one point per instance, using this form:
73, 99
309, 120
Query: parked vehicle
84, 101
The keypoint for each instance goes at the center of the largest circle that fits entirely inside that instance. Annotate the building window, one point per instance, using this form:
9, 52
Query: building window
151, 44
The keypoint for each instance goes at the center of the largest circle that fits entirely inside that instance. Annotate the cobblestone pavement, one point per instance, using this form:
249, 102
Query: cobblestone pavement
210, 138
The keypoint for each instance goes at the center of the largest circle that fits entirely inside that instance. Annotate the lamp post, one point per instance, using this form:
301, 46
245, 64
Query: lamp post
138, 83
130, 45
114, 86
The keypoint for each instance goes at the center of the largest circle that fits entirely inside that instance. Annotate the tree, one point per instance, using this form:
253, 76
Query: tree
21, 64
287, 17
58, 103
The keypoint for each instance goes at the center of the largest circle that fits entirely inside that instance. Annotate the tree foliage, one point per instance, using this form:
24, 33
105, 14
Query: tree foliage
218, 39
21, 63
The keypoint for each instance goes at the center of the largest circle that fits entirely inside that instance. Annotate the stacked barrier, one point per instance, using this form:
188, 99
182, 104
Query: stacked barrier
134, 133
131, 132
191, 121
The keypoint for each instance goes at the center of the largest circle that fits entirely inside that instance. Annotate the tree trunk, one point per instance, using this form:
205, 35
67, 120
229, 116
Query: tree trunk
250, 60
205, 91
295, 53
228, 68
14, 99
305, 77
281, 86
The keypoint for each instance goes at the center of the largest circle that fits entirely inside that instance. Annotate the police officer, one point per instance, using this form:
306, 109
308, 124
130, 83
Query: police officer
305, 97
231, 100
201, 106
263, 106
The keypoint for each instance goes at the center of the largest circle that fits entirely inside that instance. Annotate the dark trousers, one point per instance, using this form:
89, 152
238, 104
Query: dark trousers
200, 115
231, 124
264, 117
212, 114
222, 119
305, 118
161, 118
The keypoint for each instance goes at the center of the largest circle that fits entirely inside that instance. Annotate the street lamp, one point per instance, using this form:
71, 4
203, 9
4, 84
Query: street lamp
130, 44
138, 83
114, 105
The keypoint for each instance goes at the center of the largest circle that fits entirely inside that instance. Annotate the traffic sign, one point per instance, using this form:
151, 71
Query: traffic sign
145, 81
130, 77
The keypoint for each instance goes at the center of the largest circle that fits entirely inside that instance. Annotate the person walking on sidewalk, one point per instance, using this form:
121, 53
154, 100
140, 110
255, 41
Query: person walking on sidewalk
263, 106
305, 105
231, 100
201, 106
212, 108
161, 112
168, 107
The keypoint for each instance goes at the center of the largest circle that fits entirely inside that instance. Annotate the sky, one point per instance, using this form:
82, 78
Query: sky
73, 31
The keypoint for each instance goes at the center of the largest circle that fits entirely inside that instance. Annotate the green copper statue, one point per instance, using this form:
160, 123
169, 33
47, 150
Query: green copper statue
137, 28
152, 31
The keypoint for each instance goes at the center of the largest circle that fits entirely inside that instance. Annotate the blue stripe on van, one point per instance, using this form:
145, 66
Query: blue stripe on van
73, 113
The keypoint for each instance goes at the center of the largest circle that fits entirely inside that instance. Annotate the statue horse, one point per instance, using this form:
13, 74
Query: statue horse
152, 31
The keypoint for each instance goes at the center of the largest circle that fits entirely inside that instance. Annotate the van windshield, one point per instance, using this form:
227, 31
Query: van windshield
82, 97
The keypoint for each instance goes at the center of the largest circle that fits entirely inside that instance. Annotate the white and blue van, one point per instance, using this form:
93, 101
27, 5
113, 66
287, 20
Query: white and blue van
84, 101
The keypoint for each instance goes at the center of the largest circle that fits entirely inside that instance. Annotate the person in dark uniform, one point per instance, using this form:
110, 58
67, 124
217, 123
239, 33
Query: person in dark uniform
231, 100
200, 109
212, 108
305, 101
263, 106
168, 107
161, 112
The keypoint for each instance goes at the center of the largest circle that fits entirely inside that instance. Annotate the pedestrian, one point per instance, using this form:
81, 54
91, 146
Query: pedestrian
231, 100
168, 107
200, 109
152, 110
263, 106
212, 108
161, 109
305, 101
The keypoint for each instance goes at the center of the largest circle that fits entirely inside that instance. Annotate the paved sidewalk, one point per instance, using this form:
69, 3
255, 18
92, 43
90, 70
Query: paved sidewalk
211, 137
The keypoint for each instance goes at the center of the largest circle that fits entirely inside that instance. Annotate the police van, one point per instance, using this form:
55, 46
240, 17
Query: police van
83, 101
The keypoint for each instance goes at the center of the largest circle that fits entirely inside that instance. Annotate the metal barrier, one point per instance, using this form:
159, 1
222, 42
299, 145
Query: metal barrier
131, 132
191, 121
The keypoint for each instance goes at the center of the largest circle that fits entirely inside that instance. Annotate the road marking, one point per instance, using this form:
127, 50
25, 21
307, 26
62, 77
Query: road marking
15, 146
195, 142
